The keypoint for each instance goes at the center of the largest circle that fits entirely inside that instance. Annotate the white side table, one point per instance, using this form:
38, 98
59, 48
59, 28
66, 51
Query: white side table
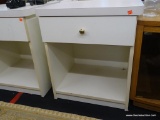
23, 63
89, 46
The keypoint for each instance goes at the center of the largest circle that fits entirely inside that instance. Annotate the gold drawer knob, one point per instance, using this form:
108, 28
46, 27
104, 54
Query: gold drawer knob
81, 31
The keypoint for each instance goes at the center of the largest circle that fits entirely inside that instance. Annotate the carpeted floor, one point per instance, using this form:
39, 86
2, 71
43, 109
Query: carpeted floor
84, 109
9, 111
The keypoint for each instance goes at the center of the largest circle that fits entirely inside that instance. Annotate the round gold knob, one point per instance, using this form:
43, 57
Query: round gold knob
81, 31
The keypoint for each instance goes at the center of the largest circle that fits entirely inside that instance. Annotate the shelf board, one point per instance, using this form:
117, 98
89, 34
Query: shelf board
95, 82
21, 74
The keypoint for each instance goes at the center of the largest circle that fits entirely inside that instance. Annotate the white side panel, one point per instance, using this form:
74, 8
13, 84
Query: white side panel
130, 62
60, 60
38, 55
98, 30
50, 65
12, 29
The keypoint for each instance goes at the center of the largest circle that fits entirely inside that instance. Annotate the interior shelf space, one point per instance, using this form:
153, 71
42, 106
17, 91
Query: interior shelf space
16, 66
92, 82
89, 71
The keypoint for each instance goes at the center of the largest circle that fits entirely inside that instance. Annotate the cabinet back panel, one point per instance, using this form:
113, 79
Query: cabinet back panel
24, 48
101, 52
9, 54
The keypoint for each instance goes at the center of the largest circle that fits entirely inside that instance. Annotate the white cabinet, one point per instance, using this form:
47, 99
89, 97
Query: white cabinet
79, 68
89, 57
23, 63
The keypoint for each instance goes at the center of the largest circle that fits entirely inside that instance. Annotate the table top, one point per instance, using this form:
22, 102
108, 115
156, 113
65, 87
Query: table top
91, 8
142, 18
149, 21
25, 11
18, 12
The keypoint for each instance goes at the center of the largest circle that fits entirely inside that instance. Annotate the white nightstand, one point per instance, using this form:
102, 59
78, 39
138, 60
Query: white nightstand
23, 63
89, 46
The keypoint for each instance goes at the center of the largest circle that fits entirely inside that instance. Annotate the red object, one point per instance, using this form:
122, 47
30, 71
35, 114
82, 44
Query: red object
130, 12
16, 98
20, 19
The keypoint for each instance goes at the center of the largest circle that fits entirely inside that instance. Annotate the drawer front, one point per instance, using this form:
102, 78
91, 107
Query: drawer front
12, 29
89, 30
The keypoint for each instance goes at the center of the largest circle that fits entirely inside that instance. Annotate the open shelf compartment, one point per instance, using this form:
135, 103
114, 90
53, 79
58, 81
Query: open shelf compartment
87, 81
16, 66
89, 71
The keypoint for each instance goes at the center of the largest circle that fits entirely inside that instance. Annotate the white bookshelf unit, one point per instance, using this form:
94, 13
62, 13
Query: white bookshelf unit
90, 52
23, 63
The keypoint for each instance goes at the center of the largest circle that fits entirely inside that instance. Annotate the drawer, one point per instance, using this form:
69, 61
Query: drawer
119, 30
12, 29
